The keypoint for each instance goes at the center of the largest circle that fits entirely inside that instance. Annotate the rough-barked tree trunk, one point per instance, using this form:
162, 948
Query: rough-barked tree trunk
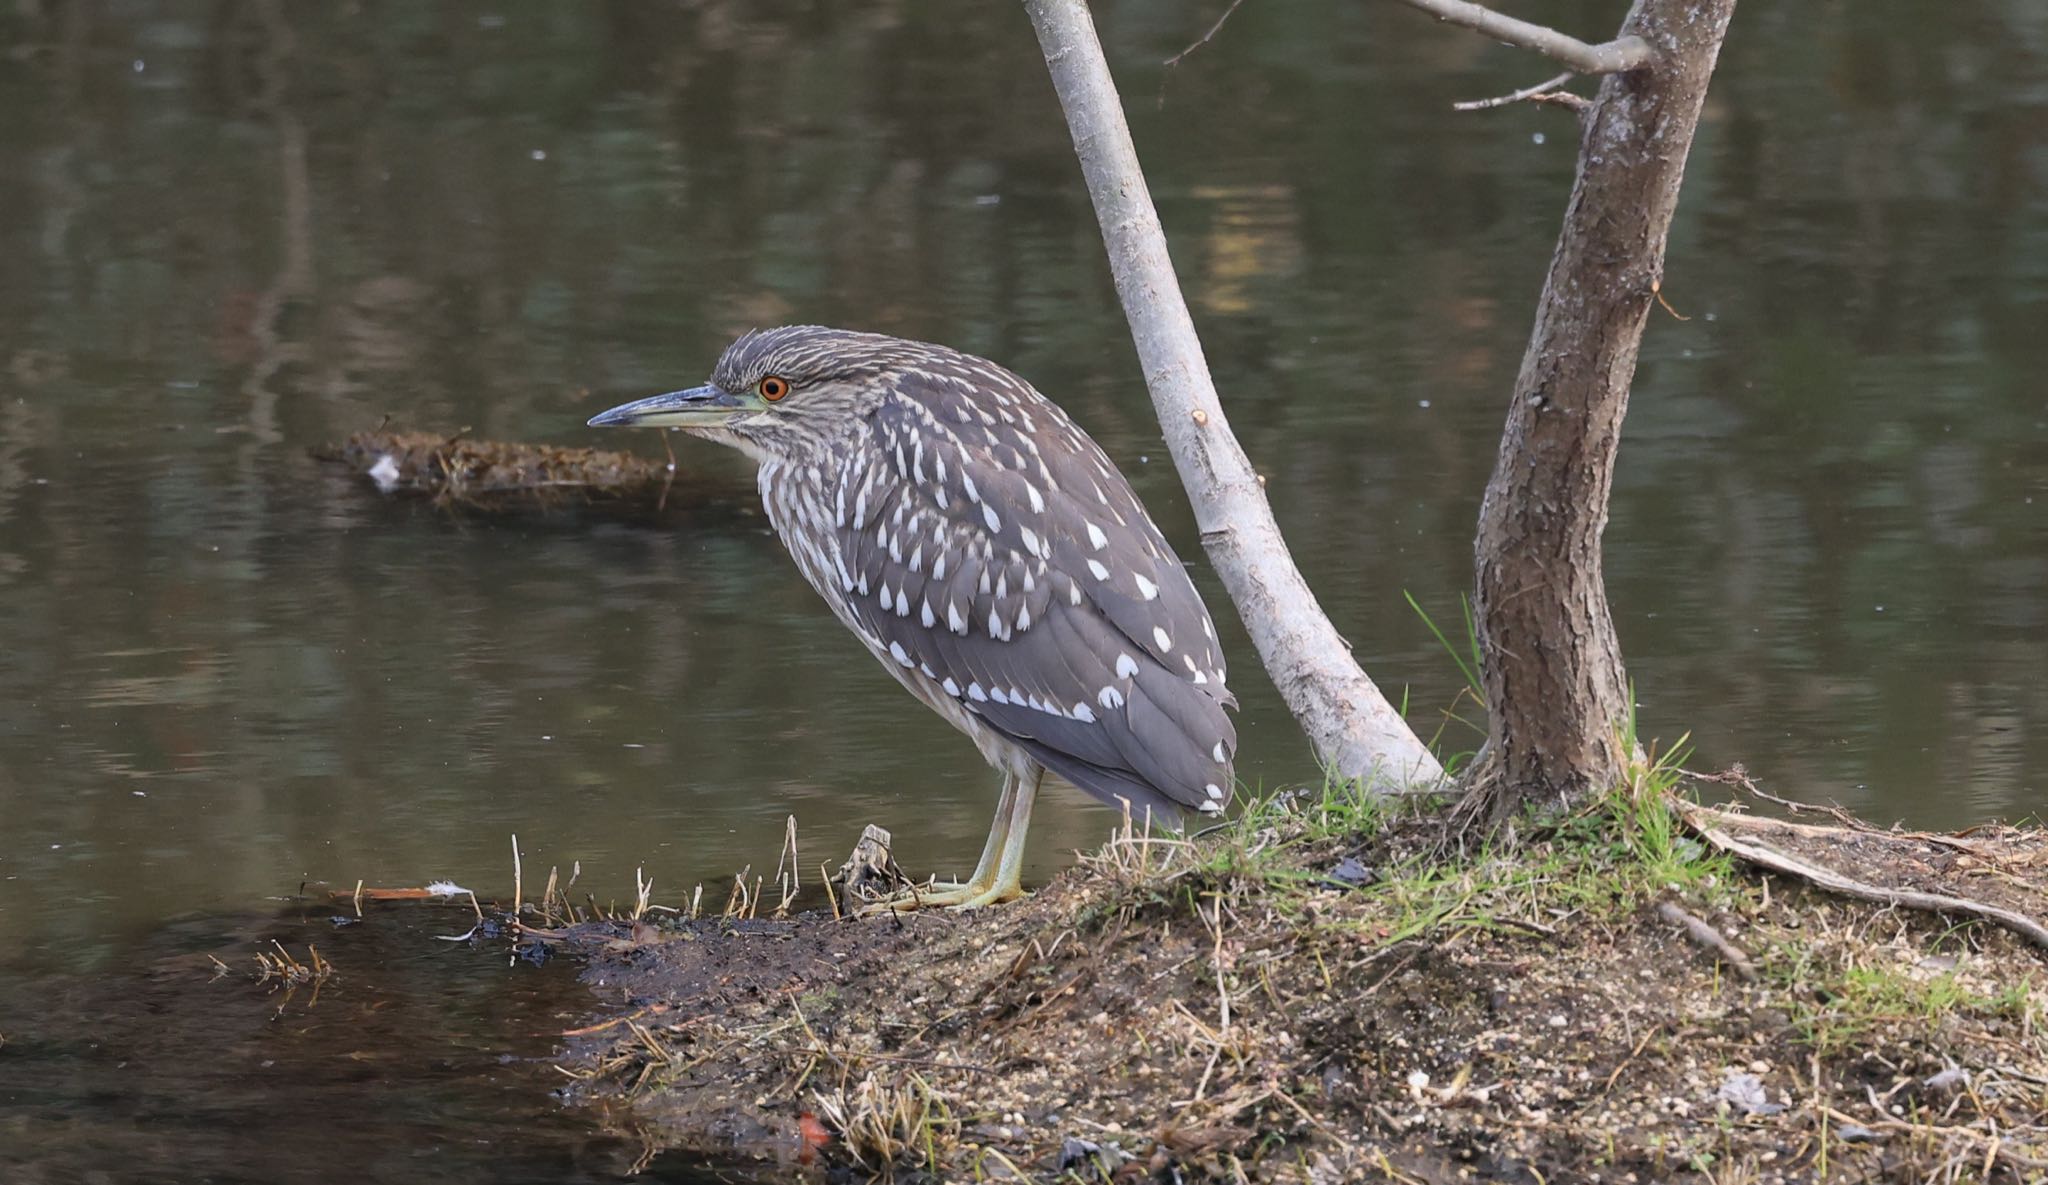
1556, 691
1353, 728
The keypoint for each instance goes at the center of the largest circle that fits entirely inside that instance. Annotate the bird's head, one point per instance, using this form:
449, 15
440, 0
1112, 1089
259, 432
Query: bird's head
776, 391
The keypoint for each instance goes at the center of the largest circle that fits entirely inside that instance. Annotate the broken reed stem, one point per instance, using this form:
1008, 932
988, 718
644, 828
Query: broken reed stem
518, 888
788, 885
642, 890
288, 970
736, 900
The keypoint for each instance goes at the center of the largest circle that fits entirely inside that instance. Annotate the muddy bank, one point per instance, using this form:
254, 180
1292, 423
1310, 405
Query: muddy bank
1305, 996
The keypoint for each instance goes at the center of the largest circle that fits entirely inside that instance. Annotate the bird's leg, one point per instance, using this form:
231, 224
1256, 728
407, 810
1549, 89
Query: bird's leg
991, 851
995, 876
1007, 884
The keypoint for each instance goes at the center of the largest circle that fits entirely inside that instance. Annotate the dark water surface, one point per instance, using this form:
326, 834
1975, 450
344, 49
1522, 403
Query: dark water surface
233, 231
422, 1061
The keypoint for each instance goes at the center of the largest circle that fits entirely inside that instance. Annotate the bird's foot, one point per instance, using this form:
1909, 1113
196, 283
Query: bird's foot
945, 895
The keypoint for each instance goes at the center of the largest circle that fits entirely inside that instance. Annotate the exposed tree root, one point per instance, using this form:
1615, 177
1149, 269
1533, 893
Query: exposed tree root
1911, 870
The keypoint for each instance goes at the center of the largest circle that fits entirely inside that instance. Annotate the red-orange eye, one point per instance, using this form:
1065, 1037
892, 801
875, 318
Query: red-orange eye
774, 387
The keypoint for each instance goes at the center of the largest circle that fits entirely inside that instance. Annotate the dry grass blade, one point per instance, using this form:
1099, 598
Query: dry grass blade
886, 1120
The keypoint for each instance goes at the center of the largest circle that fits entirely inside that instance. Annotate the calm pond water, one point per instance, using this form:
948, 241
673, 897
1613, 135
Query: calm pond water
236, 231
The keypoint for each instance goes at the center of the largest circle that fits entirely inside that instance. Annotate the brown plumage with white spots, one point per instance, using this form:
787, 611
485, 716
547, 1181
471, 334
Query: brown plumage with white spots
985, 549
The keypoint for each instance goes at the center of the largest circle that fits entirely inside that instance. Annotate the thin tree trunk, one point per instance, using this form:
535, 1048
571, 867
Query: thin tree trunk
1557, 695
1355, 731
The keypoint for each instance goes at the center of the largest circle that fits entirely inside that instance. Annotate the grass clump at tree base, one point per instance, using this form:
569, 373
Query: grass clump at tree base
1316, 992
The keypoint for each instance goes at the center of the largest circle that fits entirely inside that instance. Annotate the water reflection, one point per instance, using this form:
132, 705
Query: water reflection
250, 228
418, 1060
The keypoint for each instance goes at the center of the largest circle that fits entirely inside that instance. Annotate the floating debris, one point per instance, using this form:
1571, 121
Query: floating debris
386, 473
494, 474
286, 971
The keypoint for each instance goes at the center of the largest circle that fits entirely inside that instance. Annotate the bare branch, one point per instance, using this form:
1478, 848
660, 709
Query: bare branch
1355, 731
1618, 56
1527, 92
1205, 38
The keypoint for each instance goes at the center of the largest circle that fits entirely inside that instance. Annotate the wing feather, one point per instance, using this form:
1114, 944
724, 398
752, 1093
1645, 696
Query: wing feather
1059, 615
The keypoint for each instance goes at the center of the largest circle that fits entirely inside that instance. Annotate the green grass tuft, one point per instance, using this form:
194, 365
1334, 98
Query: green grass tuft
1466, 658
1611, 857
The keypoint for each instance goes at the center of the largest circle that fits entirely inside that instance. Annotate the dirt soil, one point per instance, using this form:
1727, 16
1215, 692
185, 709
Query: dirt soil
1284, 1002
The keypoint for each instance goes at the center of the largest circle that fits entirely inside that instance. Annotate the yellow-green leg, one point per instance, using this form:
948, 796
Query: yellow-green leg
998, 875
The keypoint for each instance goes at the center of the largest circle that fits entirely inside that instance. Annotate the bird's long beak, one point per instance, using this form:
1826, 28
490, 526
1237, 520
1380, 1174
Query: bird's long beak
698, 407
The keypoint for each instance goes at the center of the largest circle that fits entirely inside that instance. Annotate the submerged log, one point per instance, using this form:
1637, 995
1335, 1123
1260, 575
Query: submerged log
494, 474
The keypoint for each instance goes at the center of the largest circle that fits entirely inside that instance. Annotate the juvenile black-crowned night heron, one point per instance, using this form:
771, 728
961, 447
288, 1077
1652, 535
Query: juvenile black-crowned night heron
991, 556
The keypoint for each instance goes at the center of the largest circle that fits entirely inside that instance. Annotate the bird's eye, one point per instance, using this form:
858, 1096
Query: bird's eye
773, 387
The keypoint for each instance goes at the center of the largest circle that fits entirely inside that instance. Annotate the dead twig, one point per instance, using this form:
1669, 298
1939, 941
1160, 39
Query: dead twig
1739, 778
1205, 38
1706, 936
1527, 92
650, 1010
1657, 290
847, 1057
1576, 104
1995, 1146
